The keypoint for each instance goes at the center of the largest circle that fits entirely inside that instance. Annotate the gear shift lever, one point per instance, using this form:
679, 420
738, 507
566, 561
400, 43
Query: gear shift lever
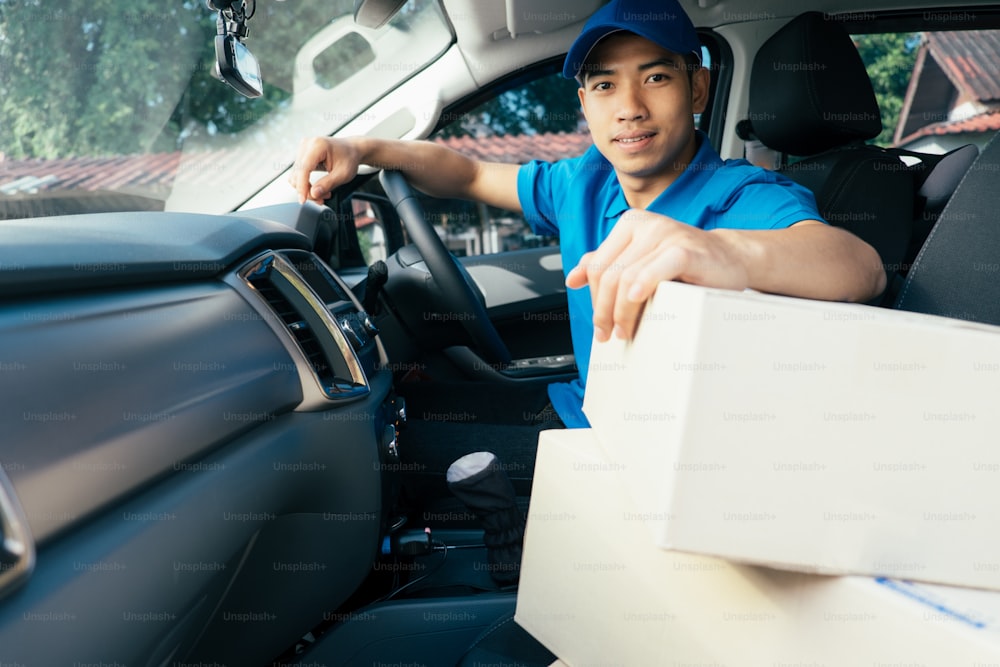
479, 481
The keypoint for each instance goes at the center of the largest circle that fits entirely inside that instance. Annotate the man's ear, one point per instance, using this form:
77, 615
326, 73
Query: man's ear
700, 80
582, 94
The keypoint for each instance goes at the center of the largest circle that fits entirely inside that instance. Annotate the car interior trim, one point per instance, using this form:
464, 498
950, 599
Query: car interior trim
79, 252
17, 549
330, 370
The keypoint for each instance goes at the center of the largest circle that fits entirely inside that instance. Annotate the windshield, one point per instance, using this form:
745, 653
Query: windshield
109, 105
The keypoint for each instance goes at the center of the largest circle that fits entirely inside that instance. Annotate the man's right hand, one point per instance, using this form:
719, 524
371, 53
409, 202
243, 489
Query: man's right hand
338, 157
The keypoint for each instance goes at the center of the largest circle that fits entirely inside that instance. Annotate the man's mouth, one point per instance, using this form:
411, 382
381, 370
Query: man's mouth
634, 139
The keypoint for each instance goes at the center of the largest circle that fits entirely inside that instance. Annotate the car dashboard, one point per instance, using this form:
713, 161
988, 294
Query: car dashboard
199, 426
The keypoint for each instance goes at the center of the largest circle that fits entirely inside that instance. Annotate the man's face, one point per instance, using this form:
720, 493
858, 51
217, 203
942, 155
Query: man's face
639, 102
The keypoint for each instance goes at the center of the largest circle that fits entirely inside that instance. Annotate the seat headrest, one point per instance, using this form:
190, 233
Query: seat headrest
809, 90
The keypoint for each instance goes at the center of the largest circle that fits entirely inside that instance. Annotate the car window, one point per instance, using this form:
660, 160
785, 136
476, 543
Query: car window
717, 57
538, 119
889, 59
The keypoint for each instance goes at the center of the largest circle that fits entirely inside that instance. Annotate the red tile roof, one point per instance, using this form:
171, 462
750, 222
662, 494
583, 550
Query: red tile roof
87, 173
971, 59
518, 149
987, 122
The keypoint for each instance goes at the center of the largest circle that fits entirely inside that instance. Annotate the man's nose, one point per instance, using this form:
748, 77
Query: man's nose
632, 105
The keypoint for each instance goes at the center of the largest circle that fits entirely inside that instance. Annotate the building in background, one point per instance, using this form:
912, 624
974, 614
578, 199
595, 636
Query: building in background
953, 97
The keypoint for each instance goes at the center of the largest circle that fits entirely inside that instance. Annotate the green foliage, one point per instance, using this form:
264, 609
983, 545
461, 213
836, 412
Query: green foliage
113, 77
889, 59
549, 104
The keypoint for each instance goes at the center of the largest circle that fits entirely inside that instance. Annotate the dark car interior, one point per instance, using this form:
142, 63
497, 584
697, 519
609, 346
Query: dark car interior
828, 113
247, 380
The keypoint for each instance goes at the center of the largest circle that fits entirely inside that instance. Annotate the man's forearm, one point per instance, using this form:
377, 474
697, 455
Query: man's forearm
442, 172
810, 260
429, 167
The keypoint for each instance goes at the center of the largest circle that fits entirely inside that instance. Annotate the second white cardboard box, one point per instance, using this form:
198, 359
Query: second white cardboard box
596, 591
814, 436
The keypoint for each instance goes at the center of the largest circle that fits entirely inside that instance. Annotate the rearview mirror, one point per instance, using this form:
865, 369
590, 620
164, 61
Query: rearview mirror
236, 66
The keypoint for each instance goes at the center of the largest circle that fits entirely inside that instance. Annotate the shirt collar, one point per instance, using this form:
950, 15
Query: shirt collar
705, 161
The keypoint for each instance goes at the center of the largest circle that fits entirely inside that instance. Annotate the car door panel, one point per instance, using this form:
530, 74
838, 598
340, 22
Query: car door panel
525, 295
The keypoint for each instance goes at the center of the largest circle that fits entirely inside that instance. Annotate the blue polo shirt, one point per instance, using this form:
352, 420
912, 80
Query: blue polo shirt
580, 200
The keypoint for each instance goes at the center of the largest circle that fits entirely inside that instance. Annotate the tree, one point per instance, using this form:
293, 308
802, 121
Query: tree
548, 104
889, 58
111, 77
86, 79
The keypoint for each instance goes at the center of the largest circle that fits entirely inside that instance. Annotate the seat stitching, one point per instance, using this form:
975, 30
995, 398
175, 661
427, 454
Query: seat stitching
932, 234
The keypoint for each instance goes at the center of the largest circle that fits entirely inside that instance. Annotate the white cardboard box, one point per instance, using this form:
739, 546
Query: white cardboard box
815, 436
596, 591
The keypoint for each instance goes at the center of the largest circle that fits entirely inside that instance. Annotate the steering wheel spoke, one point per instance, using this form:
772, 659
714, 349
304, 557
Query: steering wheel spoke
461, 298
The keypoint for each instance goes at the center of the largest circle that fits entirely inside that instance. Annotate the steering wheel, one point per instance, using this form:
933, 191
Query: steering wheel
461, 297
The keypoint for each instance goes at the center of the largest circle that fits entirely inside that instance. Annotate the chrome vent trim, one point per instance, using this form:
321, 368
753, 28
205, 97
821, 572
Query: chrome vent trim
321, 351
17, 548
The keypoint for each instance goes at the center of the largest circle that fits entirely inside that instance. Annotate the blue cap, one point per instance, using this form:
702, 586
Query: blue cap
662, 22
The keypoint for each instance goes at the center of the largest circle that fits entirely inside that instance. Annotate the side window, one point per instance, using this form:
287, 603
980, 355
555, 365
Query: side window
701, 120
539, 119
717, 57
372, 240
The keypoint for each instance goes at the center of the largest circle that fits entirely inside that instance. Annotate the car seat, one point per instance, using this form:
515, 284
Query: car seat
810, 97
955, 272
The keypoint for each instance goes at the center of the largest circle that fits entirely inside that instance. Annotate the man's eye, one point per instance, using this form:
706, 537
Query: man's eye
602, 85
657, 78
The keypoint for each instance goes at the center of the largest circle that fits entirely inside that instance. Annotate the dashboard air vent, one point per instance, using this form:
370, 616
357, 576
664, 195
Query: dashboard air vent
318, 339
